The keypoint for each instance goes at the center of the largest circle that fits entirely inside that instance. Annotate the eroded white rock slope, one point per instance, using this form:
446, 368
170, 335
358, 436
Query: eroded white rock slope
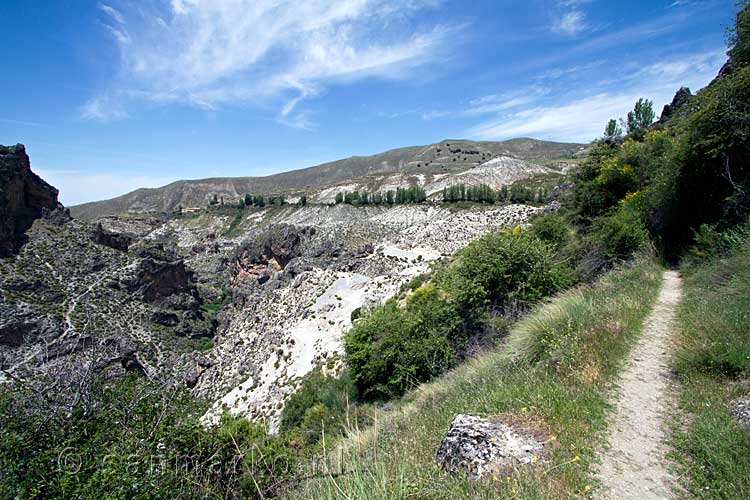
275, 339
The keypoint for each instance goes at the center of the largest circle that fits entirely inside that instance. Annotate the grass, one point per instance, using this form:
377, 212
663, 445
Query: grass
555, 371
713, 364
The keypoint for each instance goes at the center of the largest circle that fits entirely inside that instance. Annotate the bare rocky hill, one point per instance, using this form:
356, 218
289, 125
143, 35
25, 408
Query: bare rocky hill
419, 165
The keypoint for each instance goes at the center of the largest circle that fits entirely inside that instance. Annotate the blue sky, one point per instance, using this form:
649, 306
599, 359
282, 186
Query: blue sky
113, 95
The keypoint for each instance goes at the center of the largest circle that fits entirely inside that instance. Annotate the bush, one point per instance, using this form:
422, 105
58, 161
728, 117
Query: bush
132, 439
506, 269
391, 349
401, 344
620, 235
321, 401
551, 229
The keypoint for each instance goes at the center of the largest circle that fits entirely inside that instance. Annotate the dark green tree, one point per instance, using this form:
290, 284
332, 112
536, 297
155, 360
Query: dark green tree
640, 119
613, 132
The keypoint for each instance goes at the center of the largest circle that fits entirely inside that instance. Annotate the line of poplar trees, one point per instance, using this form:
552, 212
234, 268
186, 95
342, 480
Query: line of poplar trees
400, 196
483, 193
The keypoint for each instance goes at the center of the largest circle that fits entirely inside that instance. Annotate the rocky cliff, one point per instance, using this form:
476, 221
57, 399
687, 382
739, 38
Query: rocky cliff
24, 198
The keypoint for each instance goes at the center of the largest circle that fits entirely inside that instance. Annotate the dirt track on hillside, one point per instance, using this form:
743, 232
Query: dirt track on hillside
635, 466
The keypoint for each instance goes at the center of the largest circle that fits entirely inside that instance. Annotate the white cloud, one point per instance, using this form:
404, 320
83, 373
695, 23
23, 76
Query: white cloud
570, 23
80, 187
115, 14
488, 104
582, 118
103, 108
209, 53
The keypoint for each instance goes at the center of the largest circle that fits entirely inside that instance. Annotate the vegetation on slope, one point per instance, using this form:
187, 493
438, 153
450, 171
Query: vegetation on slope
713, 366
554, 371
132, 438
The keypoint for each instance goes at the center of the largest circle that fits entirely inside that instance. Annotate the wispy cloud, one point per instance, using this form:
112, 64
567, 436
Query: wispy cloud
570, 23
570, 19
23, 123
582, 117
491, 103
210, 53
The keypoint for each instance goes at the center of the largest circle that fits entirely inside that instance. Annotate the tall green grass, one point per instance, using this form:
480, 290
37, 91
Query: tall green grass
713, 364
555, 372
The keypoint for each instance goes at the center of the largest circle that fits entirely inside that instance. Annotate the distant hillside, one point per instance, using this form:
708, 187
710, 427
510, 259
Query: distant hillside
446, 157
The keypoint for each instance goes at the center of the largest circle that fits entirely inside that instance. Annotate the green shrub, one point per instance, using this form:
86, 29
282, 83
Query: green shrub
551, 229
401, 344
620, 235
132, 439
321, 402
505, 269
392, 349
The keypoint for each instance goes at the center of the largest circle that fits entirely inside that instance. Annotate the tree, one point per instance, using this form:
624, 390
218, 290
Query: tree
214, 200
640, 119
339, 198
503, 194
241, 203
613, 132
303, 200
738, 37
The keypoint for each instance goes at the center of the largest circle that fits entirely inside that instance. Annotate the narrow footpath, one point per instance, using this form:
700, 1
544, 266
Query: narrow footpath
635, 465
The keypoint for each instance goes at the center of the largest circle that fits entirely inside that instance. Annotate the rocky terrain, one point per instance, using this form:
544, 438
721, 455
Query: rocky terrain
236, 304
430, 166
24, 197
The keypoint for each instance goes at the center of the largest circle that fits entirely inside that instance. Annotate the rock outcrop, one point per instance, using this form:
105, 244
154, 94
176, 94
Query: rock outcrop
681, 98
269, 252
109, 239
24, 198
482, 448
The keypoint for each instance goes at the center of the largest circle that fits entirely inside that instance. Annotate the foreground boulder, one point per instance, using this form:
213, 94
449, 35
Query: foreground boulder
482, 448
24, 198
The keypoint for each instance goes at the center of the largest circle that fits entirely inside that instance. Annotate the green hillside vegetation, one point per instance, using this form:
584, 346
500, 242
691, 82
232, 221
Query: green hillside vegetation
552, 371
713, 364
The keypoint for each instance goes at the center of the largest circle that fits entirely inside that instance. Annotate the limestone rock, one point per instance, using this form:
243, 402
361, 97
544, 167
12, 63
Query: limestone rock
483, 448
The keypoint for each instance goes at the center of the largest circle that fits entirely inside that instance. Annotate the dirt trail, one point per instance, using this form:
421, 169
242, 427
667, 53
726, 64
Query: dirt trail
635, 465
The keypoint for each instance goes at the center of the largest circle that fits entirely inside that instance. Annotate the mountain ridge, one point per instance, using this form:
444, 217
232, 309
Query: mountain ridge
449, 156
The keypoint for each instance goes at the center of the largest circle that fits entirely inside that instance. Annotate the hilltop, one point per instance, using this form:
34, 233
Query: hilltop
416, 165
